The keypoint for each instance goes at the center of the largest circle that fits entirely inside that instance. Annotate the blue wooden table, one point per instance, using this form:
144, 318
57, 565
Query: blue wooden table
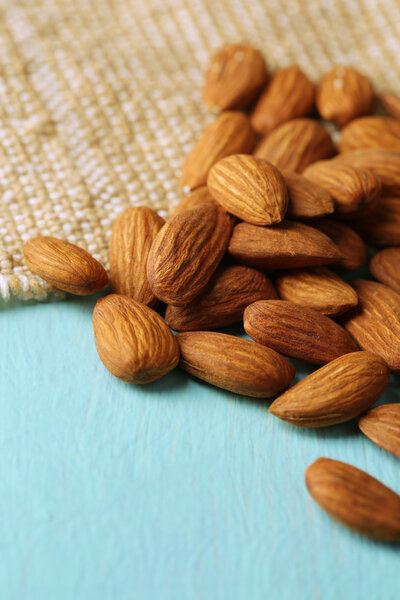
174, 490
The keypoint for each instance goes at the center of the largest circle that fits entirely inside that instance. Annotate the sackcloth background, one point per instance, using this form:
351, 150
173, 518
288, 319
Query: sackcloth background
100, 100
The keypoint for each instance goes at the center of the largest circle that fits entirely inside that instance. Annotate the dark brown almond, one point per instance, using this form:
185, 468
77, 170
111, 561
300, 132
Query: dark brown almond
391, 104
335, 393
385, 267
355, 498
230, 290
296, 331
307, 200
375, 133
234, 364
381, 227
283, 246
382, 426
347, 240
385, 164
197, 197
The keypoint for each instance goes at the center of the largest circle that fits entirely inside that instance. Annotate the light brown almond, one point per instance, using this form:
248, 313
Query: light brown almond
355, 498
230, 290
391, 104
132, 235
385, 267
283, 246
347, 240
307, 200
343, 94
234, 364
249, 188
235, 76
335, 393
385, 164
65, 266
289, 94
186, 252
132, 340
197, 197
296, 331
382, 426
231, 133
378, 133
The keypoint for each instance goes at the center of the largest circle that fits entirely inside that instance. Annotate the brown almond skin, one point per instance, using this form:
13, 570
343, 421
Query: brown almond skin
317, 288
375, 323
391, 104
296, 144
197, 197
231, 289
296, 331
289, 95
355, 498
384, 266
354, 190
335, 393
381, 227
347, 240
249, 188
284, 246
133, 342
382, 426
186, 252
379, 133
235, 76
65, 266
307, 200
231, 133
132, 235
385, 164
234, 364
344, 94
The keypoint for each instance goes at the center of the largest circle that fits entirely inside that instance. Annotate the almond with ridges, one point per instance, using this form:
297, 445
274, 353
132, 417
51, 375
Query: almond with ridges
382, 426
307, 200
385, 164
391, 104
381, 227
347, 240
384, 266
374, 133
197, 197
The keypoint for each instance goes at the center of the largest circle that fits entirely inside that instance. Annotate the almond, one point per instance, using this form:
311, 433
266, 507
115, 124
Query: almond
307, 200
231, 289
289, 94
249, 188
317, 288
286, 245
344, 94
296, 331
296, 144
347, 240
133, 342
335, 393
186, 252
132, 235
384, 266
391, 104
354, 190
380, 133
231, 133
375, 323
234, 364
382, 426
385, 164
65, 266
235, 76
355, 498
197, 197
381, 227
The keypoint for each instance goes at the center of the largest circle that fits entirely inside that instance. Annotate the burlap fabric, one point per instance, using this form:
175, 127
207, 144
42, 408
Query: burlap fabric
100, 100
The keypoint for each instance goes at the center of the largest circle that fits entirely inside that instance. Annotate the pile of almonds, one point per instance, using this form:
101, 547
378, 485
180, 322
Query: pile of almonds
269, 192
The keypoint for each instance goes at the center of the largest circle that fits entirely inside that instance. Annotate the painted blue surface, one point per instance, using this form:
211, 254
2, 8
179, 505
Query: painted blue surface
174, 490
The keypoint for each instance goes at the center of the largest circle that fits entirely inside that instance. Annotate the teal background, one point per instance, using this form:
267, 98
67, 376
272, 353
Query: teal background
174, 490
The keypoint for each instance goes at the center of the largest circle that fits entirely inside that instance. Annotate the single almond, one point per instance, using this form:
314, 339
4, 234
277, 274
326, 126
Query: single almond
249, 188
343, 94
186, 252
65, 266
230, 290
355, 498
235, 77
296, 144
354, 190
385, 164
317, 288
379, 133
382, 426
283, 246
307, 200
335, 393
197, 197
133, 341
375, 322
132, 235
381, 227
289, 94
296, 331
234, 364
347, 240
231, 133
384, 266
391, 104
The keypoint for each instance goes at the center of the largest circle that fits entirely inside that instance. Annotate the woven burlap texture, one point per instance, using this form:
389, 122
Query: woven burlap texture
100, 100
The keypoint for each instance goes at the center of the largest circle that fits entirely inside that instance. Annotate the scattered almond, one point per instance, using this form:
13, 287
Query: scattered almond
307, 200
347, 240
381, 227
384, 266
385, 164
391, 104
197, 197
380, 133
382, 426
